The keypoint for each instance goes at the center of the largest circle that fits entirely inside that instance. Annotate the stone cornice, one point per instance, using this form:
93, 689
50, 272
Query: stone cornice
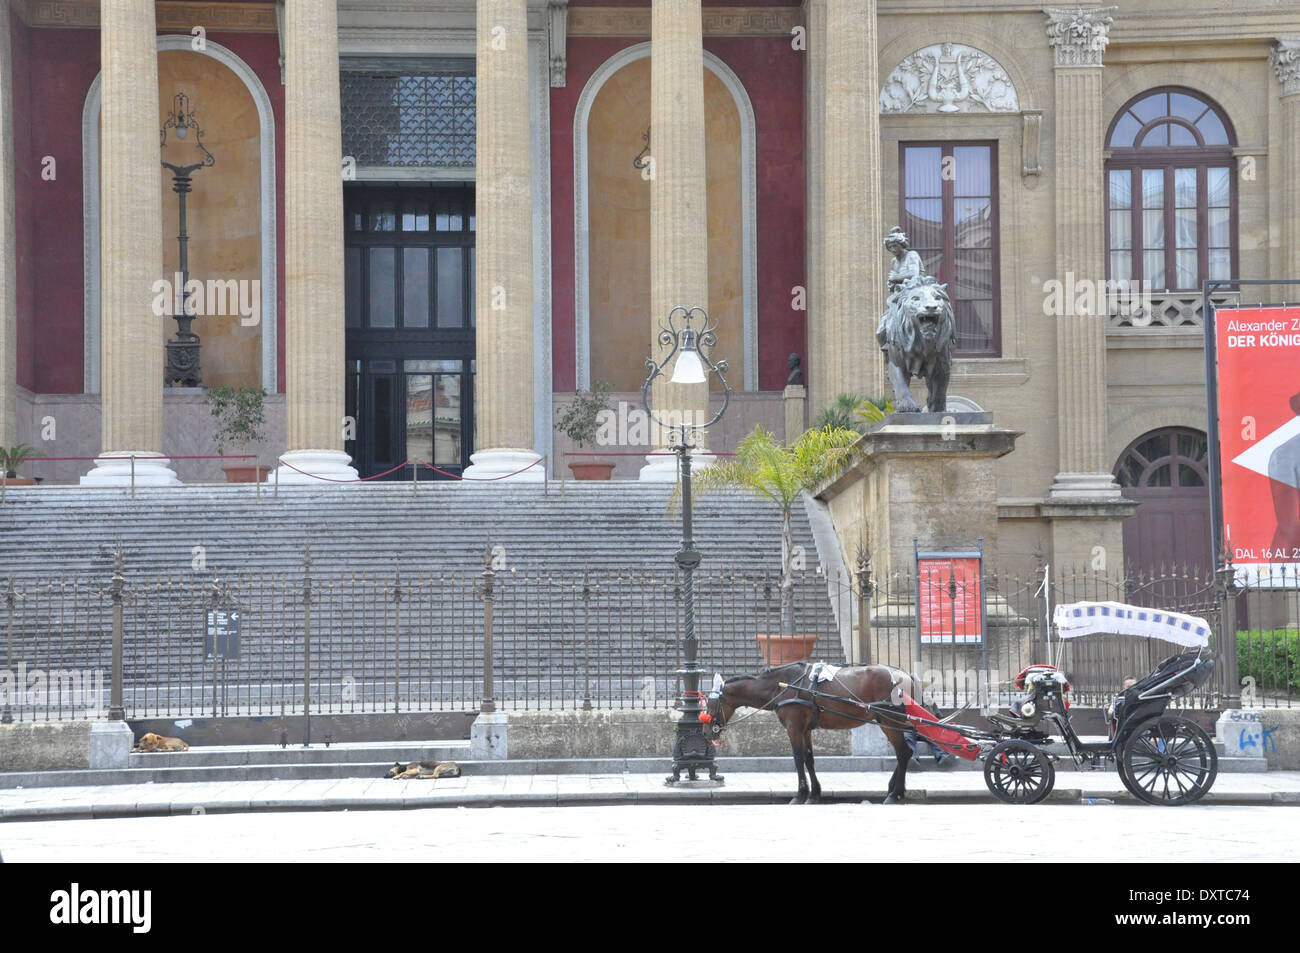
718, 21
1079, 35
1285, 58
171, 15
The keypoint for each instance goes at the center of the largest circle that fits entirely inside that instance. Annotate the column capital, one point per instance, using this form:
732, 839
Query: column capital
1079, 35
1285, 58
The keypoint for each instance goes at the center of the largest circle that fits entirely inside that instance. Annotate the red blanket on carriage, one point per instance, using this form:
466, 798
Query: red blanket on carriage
946, 739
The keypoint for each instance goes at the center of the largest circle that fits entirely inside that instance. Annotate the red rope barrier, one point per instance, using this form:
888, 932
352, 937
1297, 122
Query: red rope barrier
315, 476
210, 456
456, 476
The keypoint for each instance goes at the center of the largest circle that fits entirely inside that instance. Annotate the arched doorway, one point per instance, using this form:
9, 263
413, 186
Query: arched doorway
1165, 471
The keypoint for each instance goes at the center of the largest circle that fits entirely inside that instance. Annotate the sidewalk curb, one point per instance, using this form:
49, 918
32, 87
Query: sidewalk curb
450, 799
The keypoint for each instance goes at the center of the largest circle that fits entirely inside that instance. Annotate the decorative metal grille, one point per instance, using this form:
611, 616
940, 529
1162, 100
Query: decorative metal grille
402, 118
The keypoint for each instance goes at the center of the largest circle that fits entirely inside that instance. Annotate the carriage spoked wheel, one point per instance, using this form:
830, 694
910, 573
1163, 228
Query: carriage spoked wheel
1017, 772
1169, 761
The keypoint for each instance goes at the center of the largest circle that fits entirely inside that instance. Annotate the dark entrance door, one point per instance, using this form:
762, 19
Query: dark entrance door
1165, 470
409, 261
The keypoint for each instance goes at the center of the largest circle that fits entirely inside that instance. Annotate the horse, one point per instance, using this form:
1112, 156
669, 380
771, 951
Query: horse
799, 712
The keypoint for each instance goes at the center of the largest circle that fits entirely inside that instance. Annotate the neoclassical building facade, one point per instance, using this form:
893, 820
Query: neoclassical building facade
426, 223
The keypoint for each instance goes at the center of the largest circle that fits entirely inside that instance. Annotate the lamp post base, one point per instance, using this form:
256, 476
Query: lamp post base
692, 752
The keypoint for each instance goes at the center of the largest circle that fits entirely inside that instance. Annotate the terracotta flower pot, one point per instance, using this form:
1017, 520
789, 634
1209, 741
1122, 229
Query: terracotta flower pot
245, 472
592, 470
18, 481
784, 649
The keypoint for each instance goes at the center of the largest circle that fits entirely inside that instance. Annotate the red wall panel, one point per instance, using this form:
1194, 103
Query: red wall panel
53, 71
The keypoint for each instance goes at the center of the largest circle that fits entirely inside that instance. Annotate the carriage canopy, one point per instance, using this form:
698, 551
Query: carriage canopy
1074, 619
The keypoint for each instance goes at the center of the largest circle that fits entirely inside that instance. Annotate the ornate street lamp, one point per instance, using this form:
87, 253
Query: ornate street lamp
183, 351
688, 336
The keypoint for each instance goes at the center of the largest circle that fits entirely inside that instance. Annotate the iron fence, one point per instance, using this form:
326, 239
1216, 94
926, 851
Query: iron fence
1255, 635
298, 643
277, 644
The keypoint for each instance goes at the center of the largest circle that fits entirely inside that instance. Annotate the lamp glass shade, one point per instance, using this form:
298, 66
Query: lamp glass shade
688, 369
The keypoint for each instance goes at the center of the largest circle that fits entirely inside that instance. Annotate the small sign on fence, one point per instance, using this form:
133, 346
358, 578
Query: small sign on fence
949, 597
222, 638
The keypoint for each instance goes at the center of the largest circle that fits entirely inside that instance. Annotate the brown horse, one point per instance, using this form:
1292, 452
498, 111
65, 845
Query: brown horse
800, 712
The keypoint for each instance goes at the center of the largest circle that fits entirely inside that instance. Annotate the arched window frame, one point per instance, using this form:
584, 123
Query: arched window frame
1166, 159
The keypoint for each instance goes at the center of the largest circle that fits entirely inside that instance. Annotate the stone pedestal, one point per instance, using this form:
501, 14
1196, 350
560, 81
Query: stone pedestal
796, 403
924, 476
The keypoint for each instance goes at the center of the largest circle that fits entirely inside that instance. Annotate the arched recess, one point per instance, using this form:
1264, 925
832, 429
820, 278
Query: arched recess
1165, 470
582, 217
266, 205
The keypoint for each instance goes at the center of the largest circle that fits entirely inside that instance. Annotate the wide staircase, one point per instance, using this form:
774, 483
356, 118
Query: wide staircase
587, 605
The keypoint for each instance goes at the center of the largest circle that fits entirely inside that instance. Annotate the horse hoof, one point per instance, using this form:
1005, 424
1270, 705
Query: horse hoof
815, 799
893, 800
798, 800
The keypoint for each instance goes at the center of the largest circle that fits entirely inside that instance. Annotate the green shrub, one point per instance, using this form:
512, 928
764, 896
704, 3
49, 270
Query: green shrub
1271, 657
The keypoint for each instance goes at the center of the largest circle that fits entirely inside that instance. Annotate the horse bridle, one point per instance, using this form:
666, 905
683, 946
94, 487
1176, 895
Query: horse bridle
714, 727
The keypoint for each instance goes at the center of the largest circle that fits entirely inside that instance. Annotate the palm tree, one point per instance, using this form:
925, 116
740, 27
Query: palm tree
779, 474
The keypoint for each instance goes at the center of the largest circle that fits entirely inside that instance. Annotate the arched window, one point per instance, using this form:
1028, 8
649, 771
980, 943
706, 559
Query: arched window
1165, 471
1171, 195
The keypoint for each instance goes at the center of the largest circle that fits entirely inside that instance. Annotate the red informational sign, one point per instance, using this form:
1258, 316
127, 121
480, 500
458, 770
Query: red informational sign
948, 601
1258, 378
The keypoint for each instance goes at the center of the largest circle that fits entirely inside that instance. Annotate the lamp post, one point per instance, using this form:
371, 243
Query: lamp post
685, 333
183, 351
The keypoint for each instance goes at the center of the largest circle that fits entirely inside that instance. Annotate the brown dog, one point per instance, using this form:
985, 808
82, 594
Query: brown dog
153, 742
424, 770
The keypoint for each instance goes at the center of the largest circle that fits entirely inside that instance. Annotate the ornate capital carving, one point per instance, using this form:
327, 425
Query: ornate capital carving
948, 78
557, 29
1079, 36
1285, 58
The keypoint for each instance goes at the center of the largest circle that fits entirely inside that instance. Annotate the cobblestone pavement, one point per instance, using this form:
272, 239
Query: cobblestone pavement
1113, 833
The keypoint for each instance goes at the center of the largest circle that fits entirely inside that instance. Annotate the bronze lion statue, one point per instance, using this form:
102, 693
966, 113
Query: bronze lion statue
916, 335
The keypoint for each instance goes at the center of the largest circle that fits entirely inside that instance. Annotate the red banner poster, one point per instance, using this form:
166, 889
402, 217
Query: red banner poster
1258, 376
948, 599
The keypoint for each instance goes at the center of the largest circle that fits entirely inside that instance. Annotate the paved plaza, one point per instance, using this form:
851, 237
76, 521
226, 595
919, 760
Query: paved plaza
974, 832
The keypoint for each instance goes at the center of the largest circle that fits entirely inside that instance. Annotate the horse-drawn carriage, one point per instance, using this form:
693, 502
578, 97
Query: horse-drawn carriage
1162, 758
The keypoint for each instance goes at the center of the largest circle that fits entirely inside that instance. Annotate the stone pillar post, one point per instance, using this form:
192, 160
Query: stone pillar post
851, 283
313, 249
8, 246
130, 188
1078, 37
503, 283
795, 400
1286, 63
679, 259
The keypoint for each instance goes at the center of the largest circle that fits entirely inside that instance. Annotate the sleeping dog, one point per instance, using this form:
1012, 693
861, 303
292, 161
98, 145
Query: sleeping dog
424, 770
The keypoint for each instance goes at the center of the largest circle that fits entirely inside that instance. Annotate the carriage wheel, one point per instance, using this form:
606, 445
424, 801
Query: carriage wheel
1018, 773
1123, 776
1169, 761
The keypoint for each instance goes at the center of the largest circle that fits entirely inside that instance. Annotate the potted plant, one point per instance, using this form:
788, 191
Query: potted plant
11, 458
779, 474
580, 422
241, 422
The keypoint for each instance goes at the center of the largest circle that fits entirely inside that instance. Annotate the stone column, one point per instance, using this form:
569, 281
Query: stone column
851, 283
130, 256
313, 249
1078, 37
8, 246
503, 283
679, 259
818, 354
1286, 63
